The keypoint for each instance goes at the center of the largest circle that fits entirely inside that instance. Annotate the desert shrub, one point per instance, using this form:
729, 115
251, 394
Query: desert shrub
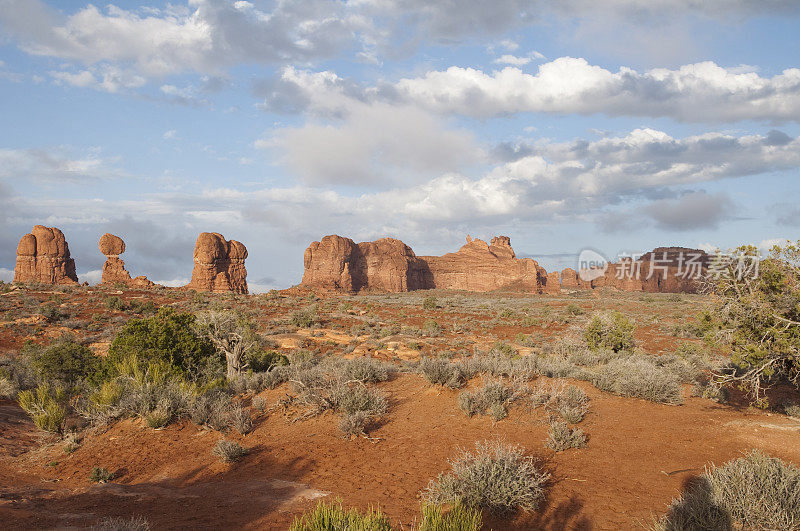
458, 517
65, 361
561, 437
440, 371
574, 309
119, 523
367, 370
72, 441
46, 406
329, 517
351, 399
355, 423
432, 328
492, 398
100, 475
609, 330
115, 303
240, 420
142, 307
496, 477
260, 360
305, 318
51, 312
640, 377
753, 492
7, 388
168, 338
429, 303
793, 410
759, 316
228, 451
159, 416
567, 401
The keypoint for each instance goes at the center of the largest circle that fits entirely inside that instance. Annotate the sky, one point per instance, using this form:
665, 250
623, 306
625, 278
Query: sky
616, 125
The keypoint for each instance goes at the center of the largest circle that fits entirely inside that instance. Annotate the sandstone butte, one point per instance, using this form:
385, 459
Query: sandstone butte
336, 263
43, 256
218, 265
114, 271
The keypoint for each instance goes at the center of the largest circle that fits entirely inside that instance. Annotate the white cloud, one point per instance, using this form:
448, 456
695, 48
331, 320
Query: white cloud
55, 165
710, 248
508, 59
6, 275
107, 78
172, 134
765, 246
692, 93
92, 277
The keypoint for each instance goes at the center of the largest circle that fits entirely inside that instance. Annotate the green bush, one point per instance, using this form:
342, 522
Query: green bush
459, 517
333, 517
610, 330
100, 475
65, 361
442, 372
46, 406
263, 360
753, 492
496, 477
429, 303
305, 318
167, 339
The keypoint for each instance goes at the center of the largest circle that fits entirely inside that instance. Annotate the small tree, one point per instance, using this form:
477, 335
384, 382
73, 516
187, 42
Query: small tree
232, 334
758, 310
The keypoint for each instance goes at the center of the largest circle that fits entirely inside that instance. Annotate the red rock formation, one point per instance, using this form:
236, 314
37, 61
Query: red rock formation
339, 264
219, 264
387, 264
552, 283
114, 271
43, 256
663, 270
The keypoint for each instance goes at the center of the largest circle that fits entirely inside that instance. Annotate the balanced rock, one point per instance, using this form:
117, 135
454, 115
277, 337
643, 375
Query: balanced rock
114, 271
43, 256
219, 264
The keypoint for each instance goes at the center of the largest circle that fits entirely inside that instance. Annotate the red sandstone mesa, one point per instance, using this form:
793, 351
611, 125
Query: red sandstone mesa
114, 271
43, 256
219, 264
339, 264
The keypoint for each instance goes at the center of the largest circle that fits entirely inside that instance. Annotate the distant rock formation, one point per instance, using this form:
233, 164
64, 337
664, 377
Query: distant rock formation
43, 256
339, 264
219, 264
662, 270
114, 271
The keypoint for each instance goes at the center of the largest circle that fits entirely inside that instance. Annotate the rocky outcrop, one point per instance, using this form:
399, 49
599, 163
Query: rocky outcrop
114, 271
43, 256
339, 264
219, 264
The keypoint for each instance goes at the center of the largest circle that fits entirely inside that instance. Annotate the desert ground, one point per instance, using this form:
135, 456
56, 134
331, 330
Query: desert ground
638, 454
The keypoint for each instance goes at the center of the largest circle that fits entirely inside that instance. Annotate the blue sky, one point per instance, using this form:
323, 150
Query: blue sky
620, 125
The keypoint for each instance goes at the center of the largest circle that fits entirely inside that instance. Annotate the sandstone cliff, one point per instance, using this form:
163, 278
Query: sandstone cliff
114, 271
337, 263
43, 256
219, 264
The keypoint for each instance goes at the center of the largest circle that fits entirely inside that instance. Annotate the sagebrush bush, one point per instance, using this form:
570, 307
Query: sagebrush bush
640, 377
496, 477
753, 492
458, 517
228, 451
429, 303
440, 371
305, 318
366, 370
350, 399
492, 398
259, 360
7, 388
567, 401
610, 330
330, 517
355, 423
561, 437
